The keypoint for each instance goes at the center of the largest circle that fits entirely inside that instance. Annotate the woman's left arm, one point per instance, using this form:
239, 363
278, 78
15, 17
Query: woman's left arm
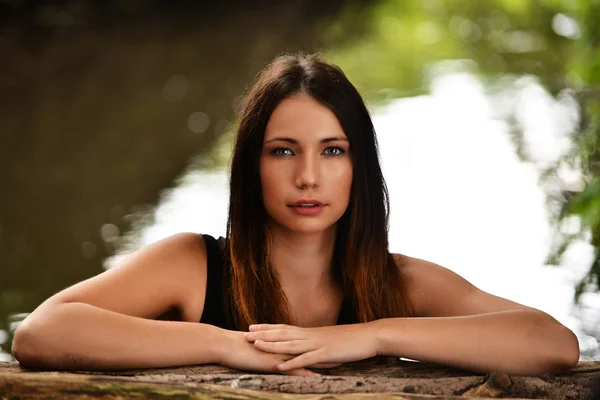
458, 324
518, 342
455, 324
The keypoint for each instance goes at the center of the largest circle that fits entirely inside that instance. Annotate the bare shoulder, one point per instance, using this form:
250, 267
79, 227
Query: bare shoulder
436, 291
165, 275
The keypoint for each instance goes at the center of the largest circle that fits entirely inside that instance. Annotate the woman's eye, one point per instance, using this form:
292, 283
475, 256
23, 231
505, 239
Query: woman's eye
334, 151
282, 151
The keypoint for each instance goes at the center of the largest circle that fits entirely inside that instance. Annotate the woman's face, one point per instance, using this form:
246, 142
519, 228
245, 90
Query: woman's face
305, 166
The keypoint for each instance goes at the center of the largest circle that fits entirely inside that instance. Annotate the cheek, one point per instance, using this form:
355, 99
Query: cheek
342, 180
270, 180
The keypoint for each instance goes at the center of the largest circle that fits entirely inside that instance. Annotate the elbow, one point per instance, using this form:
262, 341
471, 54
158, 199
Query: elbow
569, 351
556, 347
23, 347
566, 351
30, 347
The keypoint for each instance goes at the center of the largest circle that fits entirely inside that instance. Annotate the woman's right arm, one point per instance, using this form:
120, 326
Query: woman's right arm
107, 322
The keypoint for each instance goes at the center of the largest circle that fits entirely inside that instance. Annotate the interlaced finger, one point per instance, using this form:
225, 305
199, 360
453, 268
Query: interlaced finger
266, 327
288, 347
303, 360
275, 335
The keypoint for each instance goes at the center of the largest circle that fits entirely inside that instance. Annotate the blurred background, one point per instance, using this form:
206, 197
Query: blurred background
116, 122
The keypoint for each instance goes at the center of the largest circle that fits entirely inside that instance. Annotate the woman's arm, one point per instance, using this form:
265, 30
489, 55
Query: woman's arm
518, 342
107, 321
454, 324
81, 336
460, 325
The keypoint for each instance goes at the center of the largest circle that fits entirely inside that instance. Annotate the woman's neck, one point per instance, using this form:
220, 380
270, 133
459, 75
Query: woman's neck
303, 260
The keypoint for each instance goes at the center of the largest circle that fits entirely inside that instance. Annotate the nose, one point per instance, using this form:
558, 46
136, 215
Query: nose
307, 172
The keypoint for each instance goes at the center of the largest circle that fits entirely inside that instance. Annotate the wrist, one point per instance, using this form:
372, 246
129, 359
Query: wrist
223, 344
378, 333
214, 343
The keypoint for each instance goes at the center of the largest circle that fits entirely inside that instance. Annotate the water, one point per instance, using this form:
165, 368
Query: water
460, 196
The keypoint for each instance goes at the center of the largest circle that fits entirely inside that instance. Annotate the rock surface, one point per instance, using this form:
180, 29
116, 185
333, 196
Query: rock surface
382, 378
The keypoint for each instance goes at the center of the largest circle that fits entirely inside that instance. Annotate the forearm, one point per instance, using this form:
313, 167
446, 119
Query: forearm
520, 342
81, 336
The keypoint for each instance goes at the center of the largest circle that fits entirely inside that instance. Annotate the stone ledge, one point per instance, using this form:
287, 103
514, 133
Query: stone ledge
383, 378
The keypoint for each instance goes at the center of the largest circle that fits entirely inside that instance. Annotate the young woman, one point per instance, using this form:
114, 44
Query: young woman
304, 278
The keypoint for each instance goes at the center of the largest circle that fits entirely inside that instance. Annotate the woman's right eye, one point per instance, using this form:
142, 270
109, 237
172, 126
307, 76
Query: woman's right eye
282, 151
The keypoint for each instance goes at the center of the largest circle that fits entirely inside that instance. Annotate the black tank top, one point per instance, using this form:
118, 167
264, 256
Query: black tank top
215, 312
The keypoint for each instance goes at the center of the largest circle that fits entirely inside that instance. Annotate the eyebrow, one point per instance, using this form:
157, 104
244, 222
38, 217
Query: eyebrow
294, 141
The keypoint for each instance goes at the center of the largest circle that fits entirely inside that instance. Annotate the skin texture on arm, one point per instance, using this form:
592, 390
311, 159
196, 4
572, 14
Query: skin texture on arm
107, 322
460, 325
81, 336
455, 324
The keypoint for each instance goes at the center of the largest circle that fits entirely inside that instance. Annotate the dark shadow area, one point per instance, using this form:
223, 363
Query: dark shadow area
102, 105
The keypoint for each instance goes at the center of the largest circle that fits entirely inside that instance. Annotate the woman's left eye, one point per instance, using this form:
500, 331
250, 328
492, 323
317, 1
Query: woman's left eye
334, 151
281, 152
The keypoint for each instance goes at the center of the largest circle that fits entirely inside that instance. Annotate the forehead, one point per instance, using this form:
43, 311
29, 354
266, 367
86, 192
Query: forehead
303, 118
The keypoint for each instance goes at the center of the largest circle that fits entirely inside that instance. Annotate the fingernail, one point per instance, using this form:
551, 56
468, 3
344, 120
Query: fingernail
250, 335
253, 327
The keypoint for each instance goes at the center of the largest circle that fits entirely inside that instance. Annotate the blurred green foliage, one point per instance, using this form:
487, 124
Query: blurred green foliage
402, 40
585, 65
394, 48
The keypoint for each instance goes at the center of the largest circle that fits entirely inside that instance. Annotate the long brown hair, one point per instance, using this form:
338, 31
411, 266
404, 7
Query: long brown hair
368, 274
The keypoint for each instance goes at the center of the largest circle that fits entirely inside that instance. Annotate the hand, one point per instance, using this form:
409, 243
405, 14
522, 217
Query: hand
240, 354
315, 346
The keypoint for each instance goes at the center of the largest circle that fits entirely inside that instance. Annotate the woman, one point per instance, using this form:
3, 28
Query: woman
304, 269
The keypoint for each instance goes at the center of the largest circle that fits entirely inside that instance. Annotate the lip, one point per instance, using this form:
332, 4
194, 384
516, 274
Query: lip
303, 201
317, 209
308, 210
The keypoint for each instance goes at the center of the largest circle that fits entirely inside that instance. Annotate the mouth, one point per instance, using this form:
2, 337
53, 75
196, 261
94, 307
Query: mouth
307, 204
307, 207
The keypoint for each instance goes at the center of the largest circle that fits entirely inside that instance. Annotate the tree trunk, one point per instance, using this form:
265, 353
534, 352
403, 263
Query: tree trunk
381, 378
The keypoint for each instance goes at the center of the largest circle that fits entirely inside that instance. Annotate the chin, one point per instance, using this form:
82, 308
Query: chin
307, 227
310, 230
